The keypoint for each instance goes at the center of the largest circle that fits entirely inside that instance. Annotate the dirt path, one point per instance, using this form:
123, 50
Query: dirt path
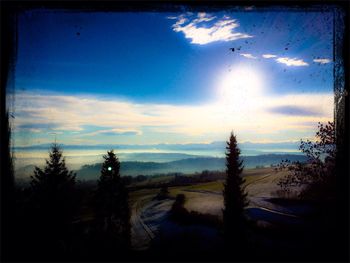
141, 234
147, 214
259, 208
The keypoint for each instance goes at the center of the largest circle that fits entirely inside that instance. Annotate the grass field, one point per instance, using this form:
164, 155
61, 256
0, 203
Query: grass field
207, 197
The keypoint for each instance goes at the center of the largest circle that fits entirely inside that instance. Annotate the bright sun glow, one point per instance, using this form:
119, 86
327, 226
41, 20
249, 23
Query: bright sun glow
241, 87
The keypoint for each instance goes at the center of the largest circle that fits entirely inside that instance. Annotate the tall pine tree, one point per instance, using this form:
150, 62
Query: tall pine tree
55, 203
53, 187
234, 197
112, 207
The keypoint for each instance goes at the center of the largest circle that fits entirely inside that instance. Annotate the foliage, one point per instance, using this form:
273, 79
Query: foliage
234, 197
318, 173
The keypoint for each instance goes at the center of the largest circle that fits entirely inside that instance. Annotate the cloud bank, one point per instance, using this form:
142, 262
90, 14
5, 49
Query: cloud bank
73, 115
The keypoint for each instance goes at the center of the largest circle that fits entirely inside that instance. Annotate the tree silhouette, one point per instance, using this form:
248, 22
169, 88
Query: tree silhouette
54, 200
178, 212
234, 197
112, 208
318, 181
317, 175
53, 187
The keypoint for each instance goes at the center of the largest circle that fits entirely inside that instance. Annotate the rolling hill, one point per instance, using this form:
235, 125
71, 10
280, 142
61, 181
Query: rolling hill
189, 165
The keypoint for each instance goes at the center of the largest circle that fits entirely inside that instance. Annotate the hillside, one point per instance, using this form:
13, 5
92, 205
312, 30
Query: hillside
190, 165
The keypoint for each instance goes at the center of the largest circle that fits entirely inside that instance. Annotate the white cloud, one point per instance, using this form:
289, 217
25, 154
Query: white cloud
292, 62
269, 56
247, 55
200, 32
322, 60
180, 20
203, 17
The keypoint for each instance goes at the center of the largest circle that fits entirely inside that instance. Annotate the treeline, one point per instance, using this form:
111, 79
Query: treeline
56, 219
175, 179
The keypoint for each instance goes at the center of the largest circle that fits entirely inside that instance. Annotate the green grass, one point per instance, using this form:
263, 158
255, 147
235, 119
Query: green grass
216, 186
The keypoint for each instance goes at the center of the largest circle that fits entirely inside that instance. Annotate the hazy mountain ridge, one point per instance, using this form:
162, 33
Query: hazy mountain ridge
190, 165
217, 145
162, 163
156, 157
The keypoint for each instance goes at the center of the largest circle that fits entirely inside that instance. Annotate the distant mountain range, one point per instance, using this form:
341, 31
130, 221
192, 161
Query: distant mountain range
156, 157
190, 165
219, 146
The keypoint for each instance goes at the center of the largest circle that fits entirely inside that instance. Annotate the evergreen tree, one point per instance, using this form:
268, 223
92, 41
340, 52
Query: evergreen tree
54, 204
234, 197
112, 207
53, 192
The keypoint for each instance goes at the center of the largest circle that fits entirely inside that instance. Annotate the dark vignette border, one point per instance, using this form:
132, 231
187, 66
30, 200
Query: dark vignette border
10, 11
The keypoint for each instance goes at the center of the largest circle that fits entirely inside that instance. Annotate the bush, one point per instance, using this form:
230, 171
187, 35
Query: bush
317, 175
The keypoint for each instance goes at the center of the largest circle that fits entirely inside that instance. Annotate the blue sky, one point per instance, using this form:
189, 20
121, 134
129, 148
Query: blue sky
171, 77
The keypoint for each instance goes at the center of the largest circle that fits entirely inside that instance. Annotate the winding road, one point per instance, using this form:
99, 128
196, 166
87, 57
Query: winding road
141, 234
145, 210
147, 215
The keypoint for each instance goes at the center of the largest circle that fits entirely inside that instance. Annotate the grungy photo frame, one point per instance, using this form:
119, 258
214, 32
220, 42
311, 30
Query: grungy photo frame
175, 131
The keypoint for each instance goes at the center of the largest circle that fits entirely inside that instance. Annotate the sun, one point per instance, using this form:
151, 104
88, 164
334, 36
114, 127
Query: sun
240, 87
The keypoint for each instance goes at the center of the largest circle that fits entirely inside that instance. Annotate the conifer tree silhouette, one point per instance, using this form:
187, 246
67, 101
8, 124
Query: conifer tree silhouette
112, 206
54, 201
234, 197
54, 185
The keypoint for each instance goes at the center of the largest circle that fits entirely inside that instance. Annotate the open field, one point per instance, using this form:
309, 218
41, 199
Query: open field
207, 198
258, 182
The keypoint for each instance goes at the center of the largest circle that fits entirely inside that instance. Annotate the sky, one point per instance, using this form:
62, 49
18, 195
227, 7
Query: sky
162, 77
